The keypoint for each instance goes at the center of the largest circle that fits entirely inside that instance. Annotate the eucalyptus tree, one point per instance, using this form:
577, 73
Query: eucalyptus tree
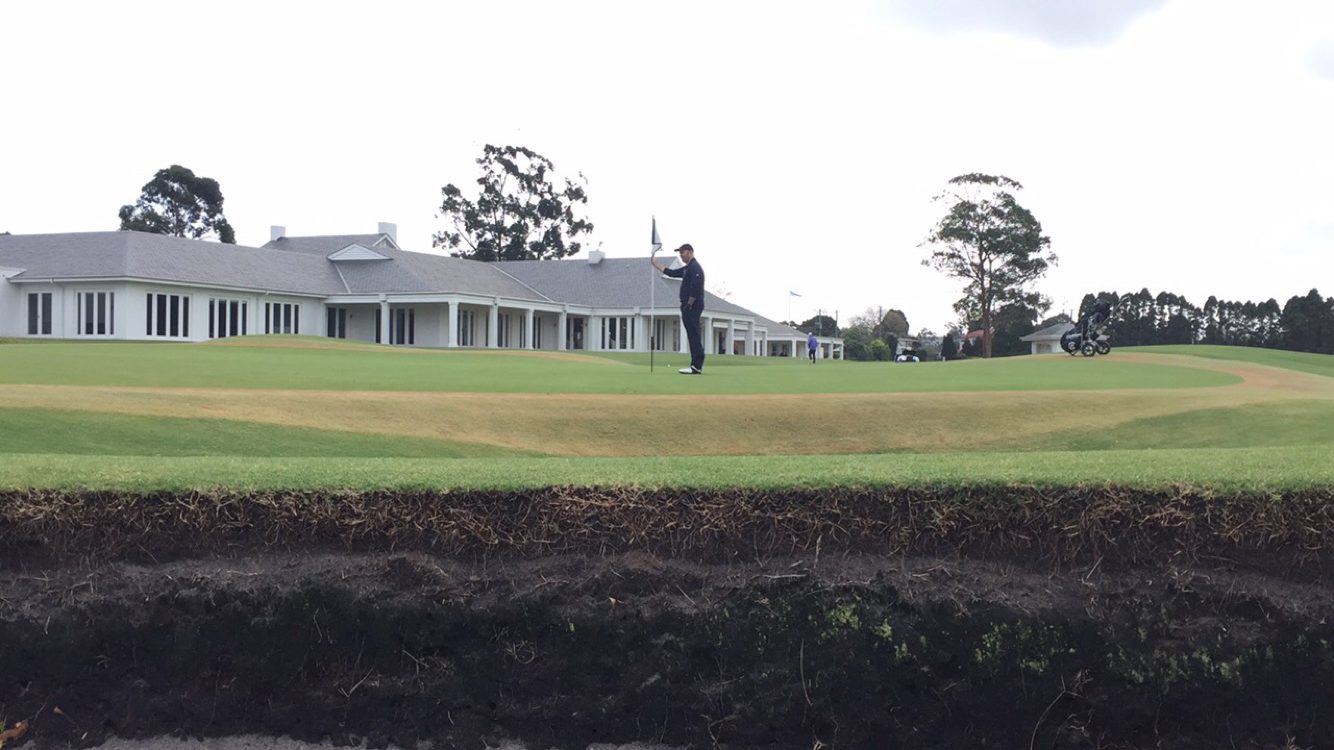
522, 210
990, 242
177, 202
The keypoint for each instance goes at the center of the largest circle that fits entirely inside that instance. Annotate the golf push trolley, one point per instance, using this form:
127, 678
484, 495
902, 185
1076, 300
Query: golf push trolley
1088, 335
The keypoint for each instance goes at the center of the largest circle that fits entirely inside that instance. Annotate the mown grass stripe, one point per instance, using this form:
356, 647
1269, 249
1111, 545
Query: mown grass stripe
1260, 469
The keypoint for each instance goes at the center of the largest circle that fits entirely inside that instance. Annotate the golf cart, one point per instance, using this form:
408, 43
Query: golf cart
1088, 335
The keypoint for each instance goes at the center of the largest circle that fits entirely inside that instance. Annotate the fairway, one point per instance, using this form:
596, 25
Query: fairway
279, 398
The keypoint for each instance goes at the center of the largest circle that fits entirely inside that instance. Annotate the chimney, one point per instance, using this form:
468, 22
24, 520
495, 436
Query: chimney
277, 233
389, 229
595, 257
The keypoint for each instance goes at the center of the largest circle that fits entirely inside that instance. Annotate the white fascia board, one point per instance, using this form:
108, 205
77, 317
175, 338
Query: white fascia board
6, 272
171, 282
427, 298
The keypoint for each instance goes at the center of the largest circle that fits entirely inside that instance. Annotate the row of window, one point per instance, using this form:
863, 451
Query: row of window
165, 315
618, 333
95, 313
282, 317
168, 315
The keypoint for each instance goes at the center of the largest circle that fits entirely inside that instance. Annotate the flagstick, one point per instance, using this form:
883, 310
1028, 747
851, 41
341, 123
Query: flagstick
652, 285
651, 310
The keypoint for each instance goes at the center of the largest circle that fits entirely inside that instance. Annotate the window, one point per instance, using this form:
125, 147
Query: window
574, 333
337, 322
537, 332
503, 330
402, 326
618, 333
95, 313
39, 313
465, 337
282, 317
227, 317
167, 315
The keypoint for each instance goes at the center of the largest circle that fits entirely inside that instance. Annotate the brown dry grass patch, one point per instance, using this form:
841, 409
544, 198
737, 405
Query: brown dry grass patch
644, 425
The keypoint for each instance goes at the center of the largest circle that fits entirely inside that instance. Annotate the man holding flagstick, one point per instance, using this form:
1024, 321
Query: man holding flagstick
692, 299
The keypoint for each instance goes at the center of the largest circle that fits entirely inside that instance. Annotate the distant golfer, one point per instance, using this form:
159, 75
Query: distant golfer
692, 303
811, 346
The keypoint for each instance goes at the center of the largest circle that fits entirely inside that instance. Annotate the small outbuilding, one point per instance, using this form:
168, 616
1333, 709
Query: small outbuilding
1047, 340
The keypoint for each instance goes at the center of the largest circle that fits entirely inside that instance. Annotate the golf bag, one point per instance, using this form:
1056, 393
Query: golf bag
1088, 335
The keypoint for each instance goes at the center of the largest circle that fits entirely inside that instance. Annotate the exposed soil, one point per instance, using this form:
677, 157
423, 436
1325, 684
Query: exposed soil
737, 621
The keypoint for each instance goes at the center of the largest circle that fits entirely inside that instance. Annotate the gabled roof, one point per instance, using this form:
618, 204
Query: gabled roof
160, 257
356, 252
328, 243
611, 282
406, 272
1050, 333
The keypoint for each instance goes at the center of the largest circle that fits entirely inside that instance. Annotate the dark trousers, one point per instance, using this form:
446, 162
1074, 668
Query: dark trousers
812, 351
690, 319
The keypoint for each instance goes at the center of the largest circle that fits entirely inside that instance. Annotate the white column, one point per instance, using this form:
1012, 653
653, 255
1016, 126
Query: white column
384, 321
560, 331
645, 325
731, 336
493, 325
750, 339
528, 340
682, 343
452, 335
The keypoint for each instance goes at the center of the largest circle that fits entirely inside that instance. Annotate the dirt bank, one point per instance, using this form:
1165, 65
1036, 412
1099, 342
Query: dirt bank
1194, 630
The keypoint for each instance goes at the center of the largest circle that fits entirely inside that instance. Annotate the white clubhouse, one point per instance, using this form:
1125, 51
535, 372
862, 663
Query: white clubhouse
150, 287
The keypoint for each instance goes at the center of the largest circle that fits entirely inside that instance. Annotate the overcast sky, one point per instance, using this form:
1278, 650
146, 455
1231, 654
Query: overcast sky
1181, 145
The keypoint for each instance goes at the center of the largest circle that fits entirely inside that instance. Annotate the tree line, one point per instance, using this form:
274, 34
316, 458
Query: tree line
1304, 323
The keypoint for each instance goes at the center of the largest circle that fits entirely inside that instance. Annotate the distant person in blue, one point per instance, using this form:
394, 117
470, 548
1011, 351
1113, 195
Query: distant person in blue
692, 303
811, 346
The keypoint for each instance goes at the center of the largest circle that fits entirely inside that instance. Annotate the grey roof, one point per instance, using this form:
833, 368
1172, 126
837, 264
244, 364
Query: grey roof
165, 258
612, 282
407, 272
1054, 331
323, 244
420, 272
779, 329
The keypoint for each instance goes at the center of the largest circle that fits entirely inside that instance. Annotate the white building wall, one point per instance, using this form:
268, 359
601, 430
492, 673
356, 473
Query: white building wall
360, 322
120, 322
549, 324
428, 328
13, 306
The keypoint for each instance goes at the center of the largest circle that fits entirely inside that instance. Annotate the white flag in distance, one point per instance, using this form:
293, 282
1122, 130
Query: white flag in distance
657, 241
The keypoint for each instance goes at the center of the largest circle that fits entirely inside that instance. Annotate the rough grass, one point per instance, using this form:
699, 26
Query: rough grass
94, 433
1272, 423
1223, 469
1316, 364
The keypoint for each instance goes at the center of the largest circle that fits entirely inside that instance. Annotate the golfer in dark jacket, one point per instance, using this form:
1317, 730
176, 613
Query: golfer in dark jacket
692, 303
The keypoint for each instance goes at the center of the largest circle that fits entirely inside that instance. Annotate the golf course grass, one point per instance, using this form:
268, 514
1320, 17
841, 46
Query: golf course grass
301, 412
310, 364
